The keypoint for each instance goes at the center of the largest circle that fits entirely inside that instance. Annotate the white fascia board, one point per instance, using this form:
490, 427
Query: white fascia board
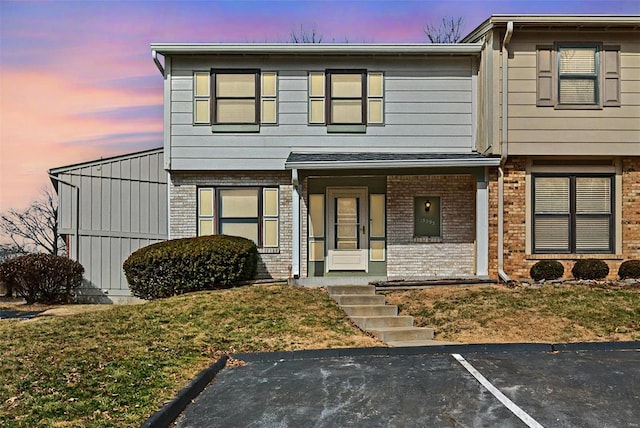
316, 49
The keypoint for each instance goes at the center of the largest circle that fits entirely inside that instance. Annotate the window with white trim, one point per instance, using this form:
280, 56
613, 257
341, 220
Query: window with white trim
249, 212
573, 214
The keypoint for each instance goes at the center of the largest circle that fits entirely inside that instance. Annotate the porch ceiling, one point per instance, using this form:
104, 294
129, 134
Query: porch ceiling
386, 160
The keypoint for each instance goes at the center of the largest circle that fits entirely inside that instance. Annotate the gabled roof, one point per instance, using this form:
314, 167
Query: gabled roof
355, 49
576, 20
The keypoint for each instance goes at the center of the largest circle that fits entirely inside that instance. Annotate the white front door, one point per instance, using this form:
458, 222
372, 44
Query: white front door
347, 221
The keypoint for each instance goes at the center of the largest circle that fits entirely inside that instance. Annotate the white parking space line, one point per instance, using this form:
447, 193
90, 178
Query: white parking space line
524, 416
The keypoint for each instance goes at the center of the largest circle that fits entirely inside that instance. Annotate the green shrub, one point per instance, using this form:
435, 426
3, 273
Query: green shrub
179, 266
590, 269
547, 269
629, 269
42, 278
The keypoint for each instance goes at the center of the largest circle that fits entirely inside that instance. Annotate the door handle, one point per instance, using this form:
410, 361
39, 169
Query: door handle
363, 229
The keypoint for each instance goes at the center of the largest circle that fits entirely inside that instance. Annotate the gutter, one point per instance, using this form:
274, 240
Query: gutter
154, 55
504, 149
76, 232
396, 49
367, 164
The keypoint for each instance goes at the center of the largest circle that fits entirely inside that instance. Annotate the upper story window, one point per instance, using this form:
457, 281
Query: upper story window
236, 97
346, 92
578, 76
235, 100
346, 100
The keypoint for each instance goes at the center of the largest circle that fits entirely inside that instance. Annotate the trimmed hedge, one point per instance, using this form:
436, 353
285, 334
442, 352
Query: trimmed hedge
547, 270
590, 269
42, 278
180, 266
629, 269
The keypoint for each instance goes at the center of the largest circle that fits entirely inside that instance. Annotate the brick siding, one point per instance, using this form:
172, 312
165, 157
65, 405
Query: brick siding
409, 257
274, 262
516, 262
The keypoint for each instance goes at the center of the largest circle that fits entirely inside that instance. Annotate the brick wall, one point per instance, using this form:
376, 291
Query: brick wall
631, 208
453, 255
274, 262
516, 262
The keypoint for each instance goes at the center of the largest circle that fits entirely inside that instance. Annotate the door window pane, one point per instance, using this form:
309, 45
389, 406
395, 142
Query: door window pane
316, 216
347, 225
377, 213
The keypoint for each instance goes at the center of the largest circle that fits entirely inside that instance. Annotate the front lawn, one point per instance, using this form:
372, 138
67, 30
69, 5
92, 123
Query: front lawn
494, 314
116, 367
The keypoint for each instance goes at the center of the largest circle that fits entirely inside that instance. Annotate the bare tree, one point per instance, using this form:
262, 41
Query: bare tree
304, 35
448, 31
34, 229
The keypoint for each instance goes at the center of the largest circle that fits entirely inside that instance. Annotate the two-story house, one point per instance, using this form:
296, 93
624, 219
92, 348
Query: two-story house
355, 162
560, 103
337, 160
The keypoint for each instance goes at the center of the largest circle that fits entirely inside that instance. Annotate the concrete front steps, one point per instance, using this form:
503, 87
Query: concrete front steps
369, 312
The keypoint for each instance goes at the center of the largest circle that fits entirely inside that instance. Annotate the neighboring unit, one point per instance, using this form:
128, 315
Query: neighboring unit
561, 105
107, 209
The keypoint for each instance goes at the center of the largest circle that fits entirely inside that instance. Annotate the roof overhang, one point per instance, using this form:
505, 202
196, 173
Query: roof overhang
579, 21
327, 161
391, 49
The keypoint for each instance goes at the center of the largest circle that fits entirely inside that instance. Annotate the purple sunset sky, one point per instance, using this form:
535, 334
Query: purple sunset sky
77, 81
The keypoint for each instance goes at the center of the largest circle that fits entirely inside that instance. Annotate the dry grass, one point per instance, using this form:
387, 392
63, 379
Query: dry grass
494, 314
115, 367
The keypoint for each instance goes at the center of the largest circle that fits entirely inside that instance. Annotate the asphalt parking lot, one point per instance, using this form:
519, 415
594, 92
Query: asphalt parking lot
525, 386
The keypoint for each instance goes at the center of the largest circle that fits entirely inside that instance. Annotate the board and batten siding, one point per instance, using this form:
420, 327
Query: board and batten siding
536, 130
428, 107
123, 207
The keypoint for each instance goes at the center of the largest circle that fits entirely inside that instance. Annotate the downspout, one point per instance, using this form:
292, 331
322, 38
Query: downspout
154, 55
504, 149
76, 232
295, 224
